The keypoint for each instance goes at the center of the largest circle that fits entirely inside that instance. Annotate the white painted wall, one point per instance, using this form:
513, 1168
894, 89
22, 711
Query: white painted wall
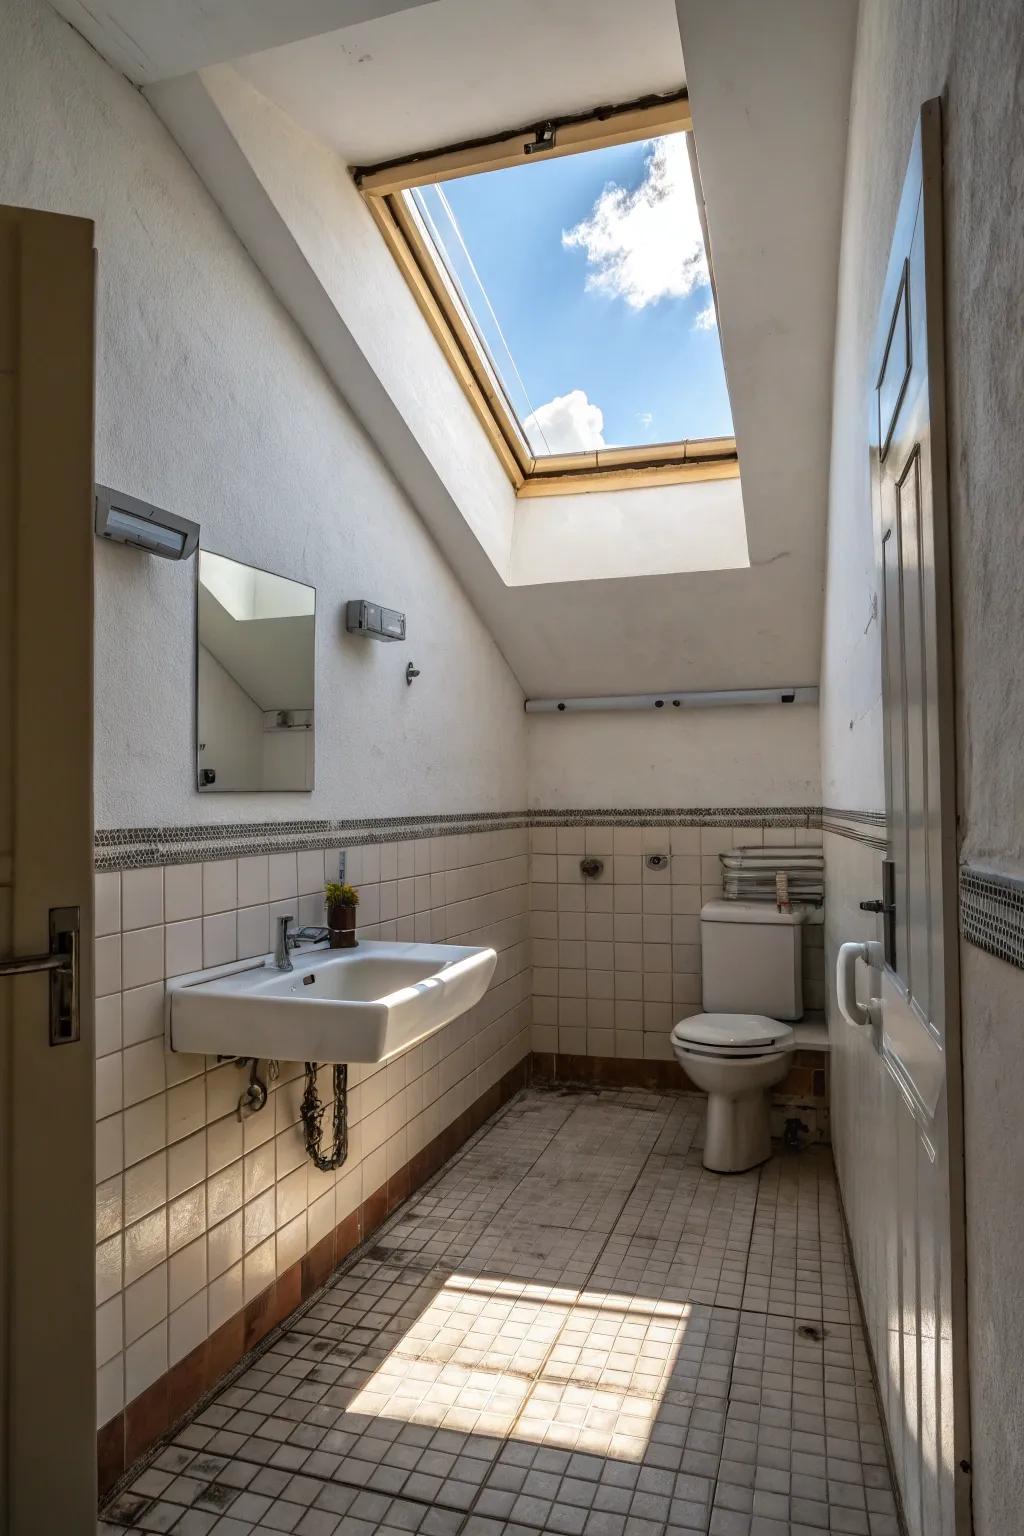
604, 535
210, 402
750, 756
973, 57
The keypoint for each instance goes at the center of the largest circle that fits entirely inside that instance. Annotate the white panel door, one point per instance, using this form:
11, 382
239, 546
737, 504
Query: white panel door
915, 1287
47, 1217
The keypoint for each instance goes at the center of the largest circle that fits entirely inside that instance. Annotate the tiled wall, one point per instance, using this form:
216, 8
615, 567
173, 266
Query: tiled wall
616, 960
197, 1213
200, 1215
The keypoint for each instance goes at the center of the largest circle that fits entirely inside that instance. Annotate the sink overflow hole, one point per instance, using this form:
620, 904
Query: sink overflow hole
307, 981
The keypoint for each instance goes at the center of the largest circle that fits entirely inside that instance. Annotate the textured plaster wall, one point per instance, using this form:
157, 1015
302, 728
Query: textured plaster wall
210, 402
746, 756
973, 57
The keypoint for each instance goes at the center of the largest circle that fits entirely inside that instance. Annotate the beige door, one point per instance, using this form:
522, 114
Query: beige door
47, 1348
916, 1297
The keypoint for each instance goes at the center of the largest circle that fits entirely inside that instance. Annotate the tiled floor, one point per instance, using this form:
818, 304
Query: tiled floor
573, 1329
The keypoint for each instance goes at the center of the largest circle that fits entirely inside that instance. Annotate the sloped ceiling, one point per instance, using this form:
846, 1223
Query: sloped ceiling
769, 87
461, 68
150, 40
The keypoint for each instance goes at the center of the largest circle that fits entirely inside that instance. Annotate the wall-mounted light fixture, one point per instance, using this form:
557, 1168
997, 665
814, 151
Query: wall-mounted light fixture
374, 620
127, 520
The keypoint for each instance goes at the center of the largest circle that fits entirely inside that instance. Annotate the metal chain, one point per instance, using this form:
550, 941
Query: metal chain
312, 1112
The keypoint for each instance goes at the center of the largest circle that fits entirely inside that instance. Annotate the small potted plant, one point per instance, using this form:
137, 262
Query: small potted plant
341, 902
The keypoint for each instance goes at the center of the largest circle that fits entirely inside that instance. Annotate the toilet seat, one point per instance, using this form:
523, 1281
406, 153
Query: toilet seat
728, 1035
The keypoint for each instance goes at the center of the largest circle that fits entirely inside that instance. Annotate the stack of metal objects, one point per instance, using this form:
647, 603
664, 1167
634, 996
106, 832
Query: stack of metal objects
750, 874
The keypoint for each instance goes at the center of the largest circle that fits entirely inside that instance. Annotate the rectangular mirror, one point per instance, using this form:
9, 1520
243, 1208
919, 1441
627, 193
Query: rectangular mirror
255, 669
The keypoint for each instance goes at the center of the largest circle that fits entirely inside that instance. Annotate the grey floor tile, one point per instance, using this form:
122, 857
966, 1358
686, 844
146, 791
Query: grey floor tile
574, 1329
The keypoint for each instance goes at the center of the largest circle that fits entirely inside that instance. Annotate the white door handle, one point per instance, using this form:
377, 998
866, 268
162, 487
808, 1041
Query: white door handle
846, 983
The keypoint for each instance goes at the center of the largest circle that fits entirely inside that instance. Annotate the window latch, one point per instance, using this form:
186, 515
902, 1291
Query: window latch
544, 138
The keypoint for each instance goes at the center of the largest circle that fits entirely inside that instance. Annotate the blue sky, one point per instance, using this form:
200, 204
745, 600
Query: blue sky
593, 265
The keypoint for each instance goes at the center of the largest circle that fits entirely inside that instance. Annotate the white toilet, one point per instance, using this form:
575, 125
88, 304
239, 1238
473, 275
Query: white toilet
740, 1047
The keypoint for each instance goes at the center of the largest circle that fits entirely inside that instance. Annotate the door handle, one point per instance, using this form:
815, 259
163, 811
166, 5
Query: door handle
846, 983
61, 961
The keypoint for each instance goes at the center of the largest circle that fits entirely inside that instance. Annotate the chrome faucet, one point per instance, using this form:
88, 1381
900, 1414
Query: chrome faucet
285, 942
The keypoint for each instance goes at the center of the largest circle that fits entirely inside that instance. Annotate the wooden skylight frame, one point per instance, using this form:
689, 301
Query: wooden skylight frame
604, 469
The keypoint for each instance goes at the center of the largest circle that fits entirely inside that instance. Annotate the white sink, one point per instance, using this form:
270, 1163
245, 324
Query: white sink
361, 1004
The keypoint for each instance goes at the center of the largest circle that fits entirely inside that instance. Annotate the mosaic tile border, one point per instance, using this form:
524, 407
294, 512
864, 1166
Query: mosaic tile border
682, 816
139, 847
869, 827
992, 912
118, 848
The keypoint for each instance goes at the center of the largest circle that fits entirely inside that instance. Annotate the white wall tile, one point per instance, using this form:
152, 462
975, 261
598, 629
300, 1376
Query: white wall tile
186, 1218
186, 1273
145, 1187
142, 898
258, 1220
108, 1024
253, 931
145, 1245
109, 1268
143, 1071
223, 1141
109, 1146
224, 1245
109, 1331
282, 876
107, 904
224, 1193
187, 1328
109, 1207
183, 892
253, 880
220, 939
143, 1013
291, 1195
186, 1108
183, 947
110, 1389
144, 1361
142, 956
109, 1087
220, 885
260, 1268
309, 871
225, 1296
107, 965
145, 1303
186, 1163
145, 1129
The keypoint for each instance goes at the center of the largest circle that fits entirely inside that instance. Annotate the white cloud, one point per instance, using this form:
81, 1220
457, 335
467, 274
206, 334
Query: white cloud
706, 320
646, 244
567, 424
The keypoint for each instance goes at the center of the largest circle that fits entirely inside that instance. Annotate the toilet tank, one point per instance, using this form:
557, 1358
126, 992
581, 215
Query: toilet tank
750, 959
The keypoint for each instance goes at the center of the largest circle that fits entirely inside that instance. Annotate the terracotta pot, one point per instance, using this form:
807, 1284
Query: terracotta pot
341, 923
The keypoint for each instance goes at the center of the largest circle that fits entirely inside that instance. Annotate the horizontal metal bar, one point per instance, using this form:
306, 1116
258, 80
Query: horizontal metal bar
26, 964
667, 702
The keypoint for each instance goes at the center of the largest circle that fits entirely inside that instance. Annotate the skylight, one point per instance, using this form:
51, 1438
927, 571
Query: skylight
572, 288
